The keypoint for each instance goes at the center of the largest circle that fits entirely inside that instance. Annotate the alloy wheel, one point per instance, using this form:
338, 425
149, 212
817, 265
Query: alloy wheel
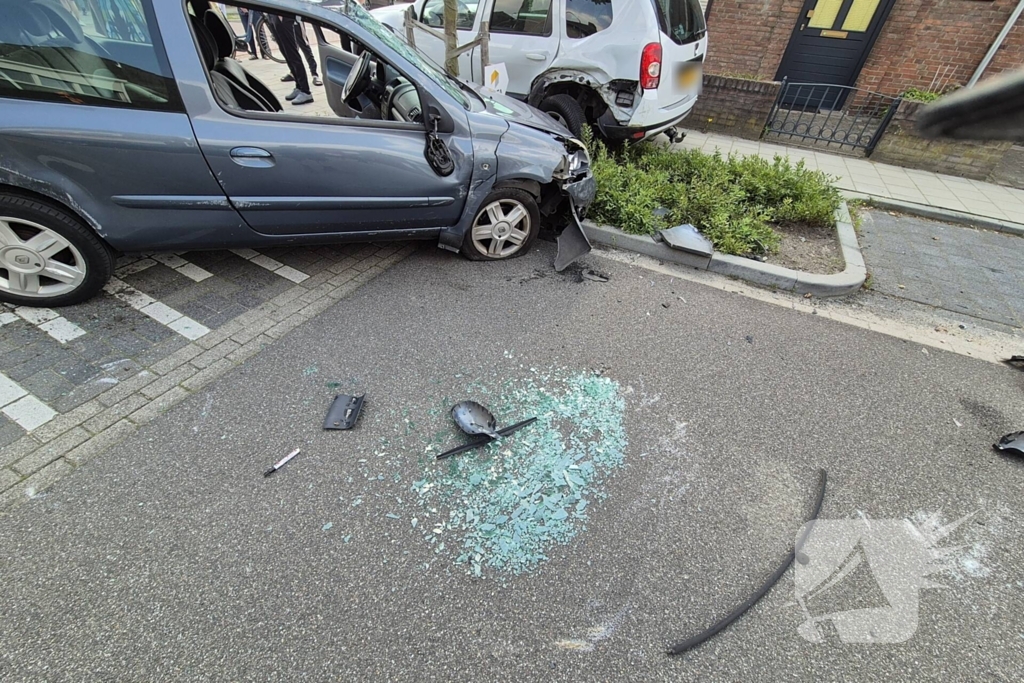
36, 261
501, 229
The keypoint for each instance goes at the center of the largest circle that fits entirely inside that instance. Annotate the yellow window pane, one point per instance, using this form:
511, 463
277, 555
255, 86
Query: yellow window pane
860, 15
825, 13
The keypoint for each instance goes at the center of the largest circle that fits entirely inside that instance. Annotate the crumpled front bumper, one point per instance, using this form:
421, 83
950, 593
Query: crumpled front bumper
572, 241
582, 192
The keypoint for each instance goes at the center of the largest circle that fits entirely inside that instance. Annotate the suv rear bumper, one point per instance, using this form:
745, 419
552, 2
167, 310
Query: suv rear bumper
613, 130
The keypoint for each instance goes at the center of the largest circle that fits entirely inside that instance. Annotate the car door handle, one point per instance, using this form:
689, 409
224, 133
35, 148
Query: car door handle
252, 157
537, 56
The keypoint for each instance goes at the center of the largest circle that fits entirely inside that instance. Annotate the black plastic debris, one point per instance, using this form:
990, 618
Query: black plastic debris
1011, 443
722, 623
344, 411
687, 238
594, 276
1015, 362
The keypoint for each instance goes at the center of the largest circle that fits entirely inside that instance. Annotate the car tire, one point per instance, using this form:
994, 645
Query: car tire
566, 110
39, 240
505, 226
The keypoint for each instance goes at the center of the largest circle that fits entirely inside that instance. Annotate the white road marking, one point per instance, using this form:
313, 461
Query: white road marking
274, 266
162, 313
50, 322
189, 270
7, 318
62, 329
22, 407
36, 316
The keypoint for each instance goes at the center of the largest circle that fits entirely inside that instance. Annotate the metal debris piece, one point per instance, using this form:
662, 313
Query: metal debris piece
486, 440
687, 238
344, 411
474, 419
1013, 443
594, 275
572, 243
696, 640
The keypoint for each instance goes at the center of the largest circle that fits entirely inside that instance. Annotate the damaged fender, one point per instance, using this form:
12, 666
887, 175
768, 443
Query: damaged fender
508, 153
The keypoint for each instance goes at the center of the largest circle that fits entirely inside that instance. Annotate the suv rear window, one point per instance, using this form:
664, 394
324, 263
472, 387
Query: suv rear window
586, 17
681, 20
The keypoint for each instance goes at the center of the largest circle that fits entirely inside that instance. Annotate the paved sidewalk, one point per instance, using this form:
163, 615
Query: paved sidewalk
973, 197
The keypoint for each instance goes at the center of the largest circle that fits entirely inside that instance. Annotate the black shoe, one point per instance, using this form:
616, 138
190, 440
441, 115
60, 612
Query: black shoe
287, 78
303, 98
293, 94
316, 80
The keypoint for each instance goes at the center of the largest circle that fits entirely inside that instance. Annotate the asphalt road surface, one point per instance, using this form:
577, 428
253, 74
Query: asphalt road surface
172, 558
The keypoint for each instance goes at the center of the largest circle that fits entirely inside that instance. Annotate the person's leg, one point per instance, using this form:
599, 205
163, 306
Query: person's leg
250, 44
300, 40
285, 35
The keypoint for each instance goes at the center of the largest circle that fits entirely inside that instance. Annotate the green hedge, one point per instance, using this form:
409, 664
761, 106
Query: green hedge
733, 201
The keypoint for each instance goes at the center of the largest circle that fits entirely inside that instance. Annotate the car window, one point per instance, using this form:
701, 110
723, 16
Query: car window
417, 59
103, 52
529, 17
586, 17
681, 20
433, 14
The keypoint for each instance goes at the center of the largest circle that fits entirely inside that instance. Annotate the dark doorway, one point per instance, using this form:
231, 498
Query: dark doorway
832, 39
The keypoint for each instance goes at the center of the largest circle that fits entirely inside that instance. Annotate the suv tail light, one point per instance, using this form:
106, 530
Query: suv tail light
650, 66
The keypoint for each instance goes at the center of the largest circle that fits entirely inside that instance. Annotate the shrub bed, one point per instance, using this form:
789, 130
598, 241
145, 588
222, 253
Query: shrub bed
735, 201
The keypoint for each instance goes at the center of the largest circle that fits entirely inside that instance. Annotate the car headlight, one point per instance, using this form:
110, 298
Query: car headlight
578, 159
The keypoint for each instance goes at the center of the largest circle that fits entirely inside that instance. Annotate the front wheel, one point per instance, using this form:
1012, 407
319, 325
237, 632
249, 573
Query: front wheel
505, 227
47, 257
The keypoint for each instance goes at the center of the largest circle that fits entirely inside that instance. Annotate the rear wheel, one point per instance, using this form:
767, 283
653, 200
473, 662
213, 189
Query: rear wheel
566, 110
504, 228
47, 257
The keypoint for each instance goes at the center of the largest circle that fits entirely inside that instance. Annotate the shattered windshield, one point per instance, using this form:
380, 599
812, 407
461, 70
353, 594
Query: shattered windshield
356, 13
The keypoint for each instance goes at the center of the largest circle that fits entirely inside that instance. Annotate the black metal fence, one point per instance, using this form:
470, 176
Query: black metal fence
830, 116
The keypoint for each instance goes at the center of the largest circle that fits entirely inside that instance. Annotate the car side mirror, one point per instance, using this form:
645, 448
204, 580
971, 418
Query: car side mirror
435, 117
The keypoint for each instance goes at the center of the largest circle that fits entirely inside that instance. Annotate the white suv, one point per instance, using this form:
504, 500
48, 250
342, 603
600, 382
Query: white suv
632, 67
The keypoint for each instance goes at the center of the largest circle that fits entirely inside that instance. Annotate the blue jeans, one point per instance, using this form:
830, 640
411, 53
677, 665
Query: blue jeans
252, 18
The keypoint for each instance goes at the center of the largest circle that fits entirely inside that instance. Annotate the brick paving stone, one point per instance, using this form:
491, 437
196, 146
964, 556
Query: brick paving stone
952, 272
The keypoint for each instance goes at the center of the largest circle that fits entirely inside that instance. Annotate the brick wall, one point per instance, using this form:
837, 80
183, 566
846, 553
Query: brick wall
941, 42
733, 106
747, 37
901, 145
927, 44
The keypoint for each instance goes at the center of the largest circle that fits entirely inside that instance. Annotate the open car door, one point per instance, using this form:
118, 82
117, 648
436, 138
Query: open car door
337, 63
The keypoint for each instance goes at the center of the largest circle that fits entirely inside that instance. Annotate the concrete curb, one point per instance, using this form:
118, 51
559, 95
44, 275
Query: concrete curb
935, 213
838, 284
